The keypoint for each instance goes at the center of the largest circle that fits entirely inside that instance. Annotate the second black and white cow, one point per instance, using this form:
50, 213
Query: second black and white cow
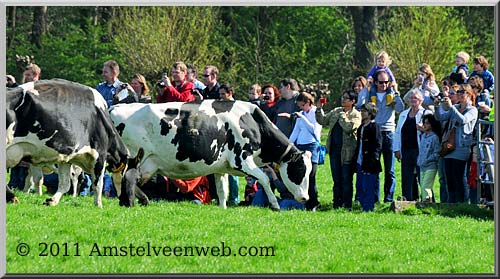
187, 140
64, 123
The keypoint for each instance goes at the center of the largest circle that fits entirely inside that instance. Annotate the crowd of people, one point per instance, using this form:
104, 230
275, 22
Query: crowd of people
361, 131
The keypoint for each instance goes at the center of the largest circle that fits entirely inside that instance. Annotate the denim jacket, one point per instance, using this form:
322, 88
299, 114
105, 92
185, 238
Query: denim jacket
464, 129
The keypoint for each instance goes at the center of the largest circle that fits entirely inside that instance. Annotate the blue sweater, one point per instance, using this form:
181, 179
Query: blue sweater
428, 152
386, 117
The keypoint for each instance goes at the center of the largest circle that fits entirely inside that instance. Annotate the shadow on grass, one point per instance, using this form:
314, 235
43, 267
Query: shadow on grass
478, 212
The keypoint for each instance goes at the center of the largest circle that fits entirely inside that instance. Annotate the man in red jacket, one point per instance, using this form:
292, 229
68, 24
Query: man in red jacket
178, 91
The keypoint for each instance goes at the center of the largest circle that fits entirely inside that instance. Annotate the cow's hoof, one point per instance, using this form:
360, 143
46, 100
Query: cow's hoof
275, 209
144, 202
13, 200
50, 202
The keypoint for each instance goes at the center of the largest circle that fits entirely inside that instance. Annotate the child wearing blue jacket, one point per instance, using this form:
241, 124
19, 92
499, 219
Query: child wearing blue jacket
428, 156
383, 62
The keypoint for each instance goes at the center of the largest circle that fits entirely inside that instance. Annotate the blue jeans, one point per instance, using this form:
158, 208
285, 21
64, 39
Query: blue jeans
291, 204
234, 195
389, 176
409, 173
108, 186
366, 182
443, 189
342, 180
260, 199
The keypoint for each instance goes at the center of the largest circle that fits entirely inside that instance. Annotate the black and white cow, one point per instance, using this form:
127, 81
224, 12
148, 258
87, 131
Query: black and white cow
186, 140
64, 123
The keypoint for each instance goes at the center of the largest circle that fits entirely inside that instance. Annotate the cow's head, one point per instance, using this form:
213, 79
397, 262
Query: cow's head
294, 170
129, 179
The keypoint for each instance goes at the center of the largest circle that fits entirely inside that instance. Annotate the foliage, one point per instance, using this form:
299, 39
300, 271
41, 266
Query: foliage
479, 21
267, 44
248, 44
70, 55
417, 35
151, 39
72, 49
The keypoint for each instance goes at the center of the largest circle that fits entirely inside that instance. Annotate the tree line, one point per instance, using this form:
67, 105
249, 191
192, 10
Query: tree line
248, 44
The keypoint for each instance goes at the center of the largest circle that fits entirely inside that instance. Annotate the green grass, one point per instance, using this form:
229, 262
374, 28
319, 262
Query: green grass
459, 240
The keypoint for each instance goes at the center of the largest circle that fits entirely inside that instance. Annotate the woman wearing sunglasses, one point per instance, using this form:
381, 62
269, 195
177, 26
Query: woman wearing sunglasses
461, 117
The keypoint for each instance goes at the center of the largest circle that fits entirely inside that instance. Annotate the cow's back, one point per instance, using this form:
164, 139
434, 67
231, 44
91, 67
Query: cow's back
61, 120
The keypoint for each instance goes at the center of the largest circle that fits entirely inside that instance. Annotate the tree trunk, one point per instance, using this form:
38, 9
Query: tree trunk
39, 25
11, 20
365, 26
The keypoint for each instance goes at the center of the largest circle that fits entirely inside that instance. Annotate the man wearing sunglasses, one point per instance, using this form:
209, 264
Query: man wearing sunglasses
210, 74
385, 119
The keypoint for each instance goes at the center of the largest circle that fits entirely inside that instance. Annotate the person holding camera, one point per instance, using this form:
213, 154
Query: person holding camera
407, 141
177, 91
343, 123
426, 84
461, 118
270, 95
140, 87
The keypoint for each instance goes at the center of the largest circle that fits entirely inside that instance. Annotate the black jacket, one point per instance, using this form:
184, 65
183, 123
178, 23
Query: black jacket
372, 147
212, 94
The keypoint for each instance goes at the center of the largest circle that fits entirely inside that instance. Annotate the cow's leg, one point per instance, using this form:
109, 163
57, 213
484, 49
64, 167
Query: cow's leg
98, 179
29, 180
250, 168
129, 192
34, 178
221, 183
149, 167
143, 199
75, 173
63, 186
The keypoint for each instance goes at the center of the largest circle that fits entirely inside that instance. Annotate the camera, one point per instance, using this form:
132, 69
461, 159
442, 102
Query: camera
438, 97
122, 86
266, 98
162, 83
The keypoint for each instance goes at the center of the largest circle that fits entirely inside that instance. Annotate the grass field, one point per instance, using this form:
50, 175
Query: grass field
76, 237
